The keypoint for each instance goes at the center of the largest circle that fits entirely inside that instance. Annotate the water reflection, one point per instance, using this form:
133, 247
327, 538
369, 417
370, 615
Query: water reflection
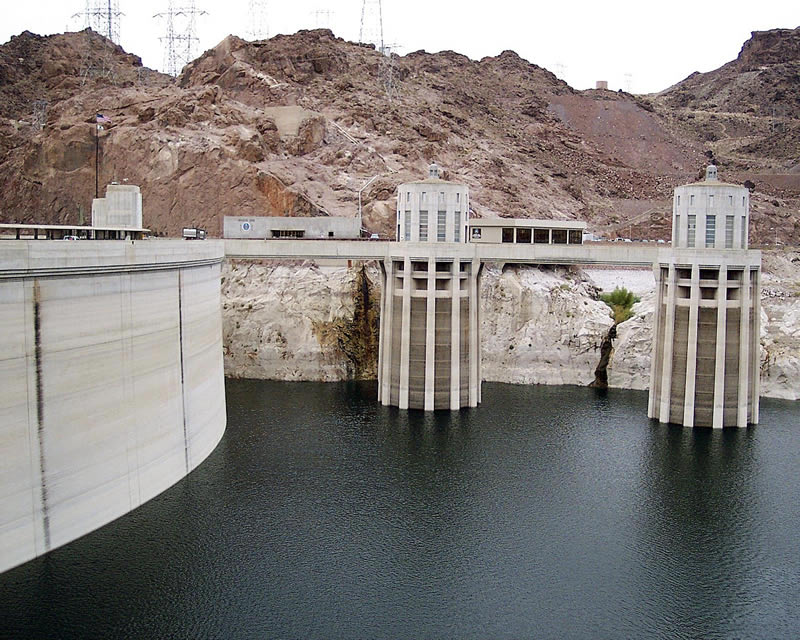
547, 512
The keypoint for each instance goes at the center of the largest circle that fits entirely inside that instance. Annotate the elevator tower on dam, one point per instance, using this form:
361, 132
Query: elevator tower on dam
705, 367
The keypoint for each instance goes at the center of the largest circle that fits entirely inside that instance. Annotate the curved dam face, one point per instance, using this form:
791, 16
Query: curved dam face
111, 381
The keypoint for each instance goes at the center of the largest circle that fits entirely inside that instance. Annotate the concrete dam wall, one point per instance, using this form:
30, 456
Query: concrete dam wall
111, 381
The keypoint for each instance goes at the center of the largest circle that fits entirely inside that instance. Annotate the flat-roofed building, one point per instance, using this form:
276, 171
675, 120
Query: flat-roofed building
121, 207
263, 227
526, 231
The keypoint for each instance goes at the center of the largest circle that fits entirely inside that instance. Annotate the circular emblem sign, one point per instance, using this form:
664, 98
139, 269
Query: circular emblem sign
245, 226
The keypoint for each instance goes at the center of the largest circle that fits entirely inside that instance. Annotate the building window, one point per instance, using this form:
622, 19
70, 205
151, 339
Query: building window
541, 236
690, 229
458, 198
441, 226
575, 236
730, 200
456, 226
407, 227
524, 235
423, 225
676, 230
679, 201
711, 230
691, 200
711, 200
729, 231
743, 197
288, 233
508, 234
559, 236
744, 233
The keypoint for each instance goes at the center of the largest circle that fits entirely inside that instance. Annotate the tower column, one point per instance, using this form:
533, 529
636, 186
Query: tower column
386, 329
405, 336
719, 356
455, 337
669, 337
691, 350
430, 334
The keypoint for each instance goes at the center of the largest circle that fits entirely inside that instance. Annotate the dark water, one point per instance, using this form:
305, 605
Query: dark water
549, 512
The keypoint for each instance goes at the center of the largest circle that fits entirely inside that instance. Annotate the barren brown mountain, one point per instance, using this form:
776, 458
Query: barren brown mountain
295, 125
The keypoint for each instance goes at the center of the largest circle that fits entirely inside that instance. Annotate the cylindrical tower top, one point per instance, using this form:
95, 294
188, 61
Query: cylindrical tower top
432, 210
710, 214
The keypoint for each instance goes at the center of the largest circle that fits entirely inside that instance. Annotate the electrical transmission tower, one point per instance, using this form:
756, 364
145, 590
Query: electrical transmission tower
258, 27
103, 17
371, 31
322, 18
628, 81
181, 35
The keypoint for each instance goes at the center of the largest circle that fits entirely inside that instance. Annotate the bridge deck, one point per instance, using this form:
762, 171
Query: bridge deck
629, 254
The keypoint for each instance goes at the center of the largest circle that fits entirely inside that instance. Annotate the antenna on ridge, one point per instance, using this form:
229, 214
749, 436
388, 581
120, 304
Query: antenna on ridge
258, 28
371, 31
179, 43
102, 16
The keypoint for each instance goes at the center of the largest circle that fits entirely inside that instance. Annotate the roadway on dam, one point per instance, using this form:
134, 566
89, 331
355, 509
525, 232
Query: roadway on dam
619, 254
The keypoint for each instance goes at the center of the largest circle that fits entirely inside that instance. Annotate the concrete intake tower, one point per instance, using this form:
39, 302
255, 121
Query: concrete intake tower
705, 365
429, 354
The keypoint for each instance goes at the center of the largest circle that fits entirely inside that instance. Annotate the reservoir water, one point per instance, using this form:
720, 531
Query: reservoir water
548, 512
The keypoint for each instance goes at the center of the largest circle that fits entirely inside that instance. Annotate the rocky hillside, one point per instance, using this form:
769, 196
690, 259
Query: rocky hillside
295, 125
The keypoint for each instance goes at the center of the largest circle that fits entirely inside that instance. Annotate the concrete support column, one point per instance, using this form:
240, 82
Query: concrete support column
474, 335
669, 338
755, 381
387, 329
691, 351
719, 356
405, 336
658, 321
430, 334
455, 338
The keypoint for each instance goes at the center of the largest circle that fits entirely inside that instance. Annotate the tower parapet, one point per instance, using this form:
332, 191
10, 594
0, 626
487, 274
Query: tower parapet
705, 368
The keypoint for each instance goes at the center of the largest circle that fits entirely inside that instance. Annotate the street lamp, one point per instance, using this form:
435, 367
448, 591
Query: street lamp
366, 184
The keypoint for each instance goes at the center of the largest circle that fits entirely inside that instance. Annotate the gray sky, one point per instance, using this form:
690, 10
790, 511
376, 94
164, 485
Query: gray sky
641, 46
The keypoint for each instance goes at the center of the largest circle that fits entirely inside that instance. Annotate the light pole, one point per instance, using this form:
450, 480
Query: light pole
366, 184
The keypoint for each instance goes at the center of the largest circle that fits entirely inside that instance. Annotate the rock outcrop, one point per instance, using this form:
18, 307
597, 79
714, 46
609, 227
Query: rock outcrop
296, 124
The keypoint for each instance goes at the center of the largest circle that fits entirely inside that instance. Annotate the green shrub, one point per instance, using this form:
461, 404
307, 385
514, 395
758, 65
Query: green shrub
621, 302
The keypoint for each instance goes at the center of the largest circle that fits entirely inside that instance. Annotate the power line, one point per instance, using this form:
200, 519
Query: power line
181, 35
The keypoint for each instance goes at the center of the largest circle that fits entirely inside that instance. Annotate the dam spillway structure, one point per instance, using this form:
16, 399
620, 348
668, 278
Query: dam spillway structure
705, 358
429, 352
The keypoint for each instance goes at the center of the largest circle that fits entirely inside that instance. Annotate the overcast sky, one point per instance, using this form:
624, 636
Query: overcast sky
640, 46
